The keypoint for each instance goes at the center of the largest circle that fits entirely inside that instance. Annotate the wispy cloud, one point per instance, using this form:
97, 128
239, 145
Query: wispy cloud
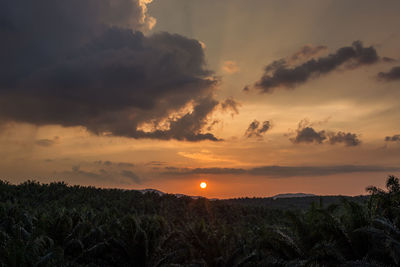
230, 67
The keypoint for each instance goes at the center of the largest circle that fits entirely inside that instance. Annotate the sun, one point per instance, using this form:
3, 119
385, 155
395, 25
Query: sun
203, 185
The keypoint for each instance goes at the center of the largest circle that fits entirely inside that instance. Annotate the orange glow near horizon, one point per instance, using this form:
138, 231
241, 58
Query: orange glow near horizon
203, 185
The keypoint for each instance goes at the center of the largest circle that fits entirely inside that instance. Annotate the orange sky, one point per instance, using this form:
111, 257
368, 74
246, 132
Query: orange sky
150, 117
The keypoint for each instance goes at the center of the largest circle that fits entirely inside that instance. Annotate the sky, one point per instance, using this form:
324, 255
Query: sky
256, 98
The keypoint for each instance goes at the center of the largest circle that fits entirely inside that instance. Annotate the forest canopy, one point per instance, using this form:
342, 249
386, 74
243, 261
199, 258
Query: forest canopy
59, 225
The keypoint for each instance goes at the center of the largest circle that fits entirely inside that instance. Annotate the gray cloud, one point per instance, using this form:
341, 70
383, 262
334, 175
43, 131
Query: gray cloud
232, 105
110, 163
394, 138
256, 129
306, 52
282, 171
185, 171
86, 63
307, 134
349, 139
389, 60
101, 175
131, 175
391, 75
76, 170
281, 74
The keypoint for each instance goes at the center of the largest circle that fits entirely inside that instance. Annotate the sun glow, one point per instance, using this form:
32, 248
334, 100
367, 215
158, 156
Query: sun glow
203, 185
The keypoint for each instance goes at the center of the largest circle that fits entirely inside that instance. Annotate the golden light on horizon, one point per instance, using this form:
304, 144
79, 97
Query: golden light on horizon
203, 185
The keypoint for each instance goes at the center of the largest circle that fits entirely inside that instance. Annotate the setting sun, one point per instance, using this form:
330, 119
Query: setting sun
203, 185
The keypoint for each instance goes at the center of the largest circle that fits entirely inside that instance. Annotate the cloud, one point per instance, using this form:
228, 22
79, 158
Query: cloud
105, 163
394, 138
125, 164
392, 75
131, 175
87, 63
47, 142
101, 175
280, 73
232, 105
389, 60
206, 156
187, 171
282, 171
230, 67
76, 170
348, 139
306, 52
307, 134
156, 163
110, 163
188, 126
255, 129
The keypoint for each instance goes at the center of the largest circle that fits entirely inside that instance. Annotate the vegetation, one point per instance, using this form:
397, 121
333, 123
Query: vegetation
59, 225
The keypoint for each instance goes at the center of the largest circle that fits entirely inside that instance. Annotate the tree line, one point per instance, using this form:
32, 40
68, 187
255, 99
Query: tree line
59, 225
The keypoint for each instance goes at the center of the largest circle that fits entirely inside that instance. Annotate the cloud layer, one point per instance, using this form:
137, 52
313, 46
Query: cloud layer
282, 171
87, 63
282, 74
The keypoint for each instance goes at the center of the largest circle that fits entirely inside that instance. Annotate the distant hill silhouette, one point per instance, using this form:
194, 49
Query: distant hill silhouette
292, 195
288, 201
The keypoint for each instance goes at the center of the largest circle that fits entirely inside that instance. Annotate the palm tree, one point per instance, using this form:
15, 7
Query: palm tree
386, 203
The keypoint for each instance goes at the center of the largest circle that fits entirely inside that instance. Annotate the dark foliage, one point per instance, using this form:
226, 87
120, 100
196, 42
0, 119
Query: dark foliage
60, 225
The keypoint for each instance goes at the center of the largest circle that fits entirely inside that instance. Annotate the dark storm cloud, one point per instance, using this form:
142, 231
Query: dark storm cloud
282, 171
394, 138
256, 129
281, 74
307, 134
85, 63
131, 175
391, 75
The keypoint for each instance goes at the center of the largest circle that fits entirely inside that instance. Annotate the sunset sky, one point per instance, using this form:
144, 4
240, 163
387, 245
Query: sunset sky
254, 97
